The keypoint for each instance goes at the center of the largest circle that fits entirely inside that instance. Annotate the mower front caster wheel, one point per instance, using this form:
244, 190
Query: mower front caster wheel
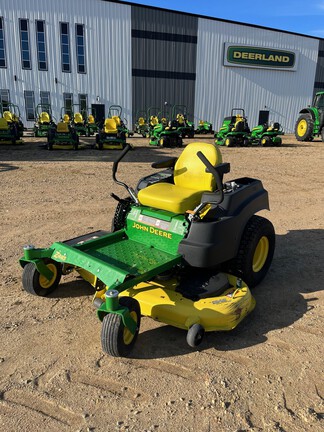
195, 335
116, 339
37, 284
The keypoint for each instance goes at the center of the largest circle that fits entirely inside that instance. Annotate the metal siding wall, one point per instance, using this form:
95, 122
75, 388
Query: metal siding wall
154, 54
108, 52
220, 88
319, 77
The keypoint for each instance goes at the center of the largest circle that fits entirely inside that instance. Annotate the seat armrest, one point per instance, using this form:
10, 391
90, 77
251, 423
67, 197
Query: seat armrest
166, 163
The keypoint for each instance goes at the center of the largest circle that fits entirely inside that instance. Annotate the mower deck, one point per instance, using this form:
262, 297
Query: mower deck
162, 302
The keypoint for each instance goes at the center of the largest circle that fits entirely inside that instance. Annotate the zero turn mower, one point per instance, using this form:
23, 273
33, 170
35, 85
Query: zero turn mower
44, 120
184, 249
234, 130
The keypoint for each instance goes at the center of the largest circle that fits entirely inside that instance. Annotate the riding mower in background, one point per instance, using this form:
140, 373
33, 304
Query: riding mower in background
234, 130
266, 135
11, 113
44, 120
204, 127
9, 132
184, 249
78, 120
141, 126
91, 124
310, 122
62, 137
166, 135
115, 112
111, 136
185, 127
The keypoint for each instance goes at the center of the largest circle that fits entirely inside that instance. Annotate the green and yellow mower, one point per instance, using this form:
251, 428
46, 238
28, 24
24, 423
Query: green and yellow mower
62, 137
44, 120
266, 135
141, 126
310, 123
204, 127
184, 249
234, 131
12, 126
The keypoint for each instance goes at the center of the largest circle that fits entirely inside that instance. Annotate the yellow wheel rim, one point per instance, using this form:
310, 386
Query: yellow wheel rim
302, 127
43, 281
128, 335
161, 141
260, 254
227, 142
263, 141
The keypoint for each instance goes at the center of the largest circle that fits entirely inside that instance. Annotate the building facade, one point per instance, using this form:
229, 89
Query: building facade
100, 53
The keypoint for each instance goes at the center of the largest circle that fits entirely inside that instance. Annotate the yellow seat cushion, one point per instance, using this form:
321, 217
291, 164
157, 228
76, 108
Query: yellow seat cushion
91, 119
190, 181
44, 117
78, 118
110, 126
3, 124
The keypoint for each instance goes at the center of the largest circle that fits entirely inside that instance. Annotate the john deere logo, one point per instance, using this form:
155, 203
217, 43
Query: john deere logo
259, 57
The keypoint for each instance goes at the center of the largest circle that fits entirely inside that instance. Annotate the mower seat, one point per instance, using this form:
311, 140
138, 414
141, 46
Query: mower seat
91, 119
190, 181
78, 118
117, 120
62, 127
8, 116
66, 118
110, 126
44, 118
141, 121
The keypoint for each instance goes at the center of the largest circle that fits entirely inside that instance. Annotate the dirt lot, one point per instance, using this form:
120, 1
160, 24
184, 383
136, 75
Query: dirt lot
266, 375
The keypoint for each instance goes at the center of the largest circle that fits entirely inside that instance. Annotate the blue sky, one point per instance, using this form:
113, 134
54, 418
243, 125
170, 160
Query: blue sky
299, 16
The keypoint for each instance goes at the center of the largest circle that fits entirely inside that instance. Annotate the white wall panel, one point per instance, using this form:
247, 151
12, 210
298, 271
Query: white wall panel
220, 88
108, 52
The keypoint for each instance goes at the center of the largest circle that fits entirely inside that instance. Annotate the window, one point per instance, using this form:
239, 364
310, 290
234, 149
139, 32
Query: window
30, 105
3, 62
4, 98
80, 48
83, 103
45, 98
24, 44
65, 47
68, 102
41, 45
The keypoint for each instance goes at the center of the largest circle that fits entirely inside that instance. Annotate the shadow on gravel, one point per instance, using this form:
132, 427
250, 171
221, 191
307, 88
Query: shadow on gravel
7, 167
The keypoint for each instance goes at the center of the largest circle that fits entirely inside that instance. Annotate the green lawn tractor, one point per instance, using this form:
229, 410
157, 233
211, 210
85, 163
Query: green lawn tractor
184, 249
266, 135
166, 135
62, 137
11, 113
311, 120
141, 126
186, 128
44, 120
204, 127
234, 131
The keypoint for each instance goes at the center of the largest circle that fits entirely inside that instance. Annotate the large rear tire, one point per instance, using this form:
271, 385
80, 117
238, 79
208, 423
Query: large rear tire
255, 252
304, 128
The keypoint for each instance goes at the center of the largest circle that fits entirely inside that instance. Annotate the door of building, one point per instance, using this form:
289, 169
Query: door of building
263, 117
98, 110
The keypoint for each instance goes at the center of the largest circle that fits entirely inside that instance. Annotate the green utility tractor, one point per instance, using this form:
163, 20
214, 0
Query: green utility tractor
44, 120
186, 128
141, 126
234, 130
204, 127
184, 249
266, 135
11, 113
311, 120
